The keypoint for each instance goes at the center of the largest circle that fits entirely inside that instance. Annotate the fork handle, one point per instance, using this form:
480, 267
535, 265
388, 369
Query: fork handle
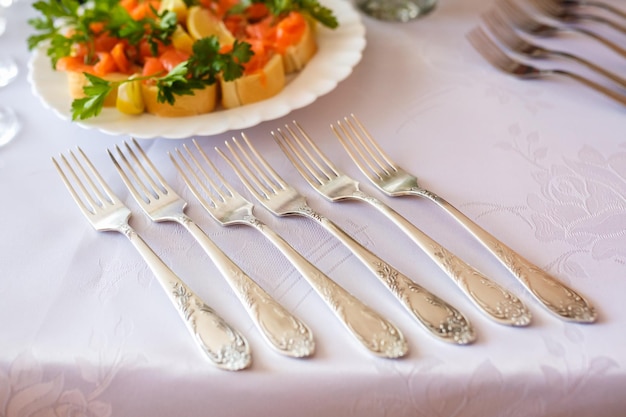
371, 329
437, 316
285, 332
553, 294
598, 87
223, 344
609, 44
608, 74
497, 302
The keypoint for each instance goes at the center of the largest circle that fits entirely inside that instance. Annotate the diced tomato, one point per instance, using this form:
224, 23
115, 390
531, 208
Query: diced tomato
104, 42
105, 64
129, 5
260, 57
262, 30
172, 57
289, 31
145, 9
96, 27
80, 50
235, 23
219, 7
118, 53
73, 63
153, 66
145, 50
257, 11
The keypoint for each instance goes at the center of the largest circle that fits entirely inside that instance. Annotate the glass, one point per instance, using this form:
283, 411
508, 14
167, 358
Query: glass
9, 123
396, 10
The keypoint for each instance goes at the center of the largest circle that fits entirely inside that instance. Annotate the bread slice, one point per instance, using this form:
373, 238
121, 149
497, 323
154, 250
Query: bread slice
297, 56
203, 101
77, 81
254, 87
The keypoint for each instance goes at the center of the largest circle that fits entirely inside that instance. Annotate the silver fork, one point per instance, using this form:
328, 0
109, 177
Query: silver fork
437, 316
224, 345
567, 15
395, 181
592, 4
509, 38
496, 57
524, 21
495, 301
281, 329
228, 207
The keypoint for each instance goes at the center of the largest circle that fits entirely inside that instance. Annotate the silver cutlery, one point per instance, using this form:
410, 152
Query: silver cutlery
564, 14
506, 35
224, 346
394, 181
491, 52
525, 22
437, 316
592, 4
495, 301
228, 207
281, 329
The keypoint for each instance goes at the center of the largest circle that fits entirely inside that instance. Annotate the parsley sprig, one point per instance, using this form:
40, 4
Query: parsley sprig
313, 8
200, 70
64, 23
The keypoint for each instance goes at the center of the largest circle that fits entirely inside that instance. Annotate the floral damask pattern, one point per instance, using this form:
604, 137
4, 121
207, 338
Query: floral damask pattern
30, 389
580, 201
25, 391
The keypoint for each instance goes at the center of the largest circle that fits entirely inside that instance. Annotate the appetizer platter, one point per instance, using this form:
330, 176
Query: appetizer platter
155, 87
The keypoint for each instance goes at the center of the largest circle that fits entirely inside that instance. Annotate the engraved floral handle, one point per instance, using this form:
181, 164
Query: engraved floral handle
553, 294
494, 300
373, 331
437, 316
285, 332
224, 345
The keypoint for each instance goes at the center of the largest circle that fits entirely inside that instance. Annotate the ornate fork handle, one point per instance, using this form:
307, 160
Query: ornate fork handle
223, 344
494, 300
436, 315
556, 296
283, 330
373, 331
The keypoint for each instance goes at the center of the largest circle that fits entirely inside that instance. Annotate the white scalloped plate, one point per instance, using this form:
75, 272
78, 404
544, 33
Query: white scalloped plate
339, 52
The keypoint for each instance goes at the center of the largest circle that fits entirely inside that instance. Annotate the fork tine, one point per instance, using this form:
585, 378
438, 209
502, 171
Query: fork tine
87, 210
297, 159
262, 190
147, 194
379, 150
108, 196
156, 174
213, 191
488, 49
307, 157
374, 154
276, 179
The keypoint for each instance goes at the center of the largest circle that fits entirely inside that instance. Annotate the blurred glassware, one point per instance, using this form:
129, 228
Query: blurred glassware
394, 10
9, 125
8, 70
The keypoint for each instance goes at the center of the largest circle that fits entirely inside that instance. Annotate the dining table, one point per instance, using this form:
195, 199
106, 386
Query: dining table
86, 329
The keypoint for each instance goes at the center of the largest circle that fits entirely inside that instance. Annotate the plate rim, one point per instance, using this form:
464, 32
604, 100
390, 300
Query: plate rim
345, 43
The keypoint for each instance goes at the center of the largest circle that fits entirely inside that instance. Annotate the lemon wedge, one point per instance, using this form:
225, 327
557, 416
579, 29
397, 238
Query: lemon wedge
201, 23
177, 6
182, 41
129, 98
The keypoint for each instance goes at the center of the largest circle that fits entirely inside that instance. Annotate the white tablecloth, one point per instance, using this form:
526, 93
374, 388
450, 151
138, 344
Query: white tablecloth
86, 331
